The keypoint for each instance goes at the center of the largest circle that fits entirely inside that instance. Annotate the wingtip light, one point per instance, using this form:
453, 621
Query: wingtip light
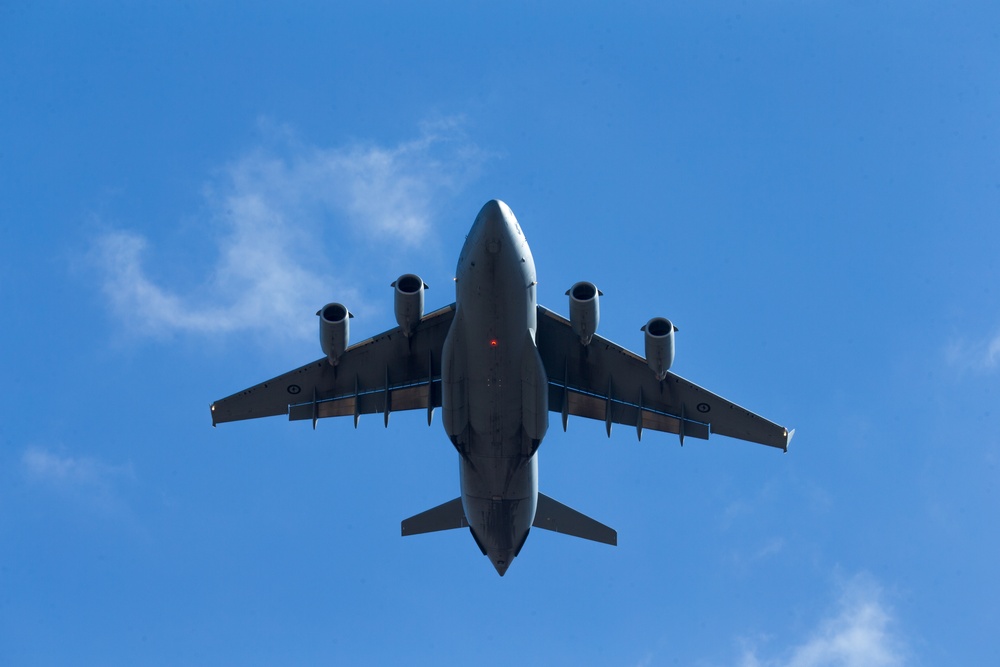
788, 438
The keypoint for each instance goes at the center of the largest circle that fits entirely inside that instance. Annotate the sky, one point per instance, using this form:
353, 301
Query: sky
808, 190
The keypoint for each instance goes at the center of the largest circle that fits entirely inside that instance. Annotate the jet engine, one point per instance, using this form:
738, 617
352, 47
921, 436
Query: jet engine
334, 330
584, 311
409, 302
659, 345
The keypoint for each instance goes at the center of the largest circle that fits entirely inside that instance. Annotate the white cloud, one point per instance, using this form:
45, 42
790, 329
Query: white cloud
860, 633
85, 482
645, 661
981, 355
41, 465
273, 210
770, 548
993, 352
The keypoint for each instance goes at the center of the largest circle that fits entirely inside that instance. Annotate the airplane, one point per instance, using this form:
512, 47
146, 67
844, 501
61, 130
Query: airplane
497, 364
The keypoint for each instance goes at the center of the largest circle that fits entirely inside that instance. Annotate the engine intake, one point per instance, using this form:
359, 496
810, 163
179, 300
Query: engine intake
659, 345
334, 330
584, 310
409, 302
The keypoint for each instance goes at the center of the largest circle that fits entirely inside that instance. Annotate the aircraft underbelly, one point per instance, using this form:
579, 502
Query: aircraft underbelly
492, 379
493, 346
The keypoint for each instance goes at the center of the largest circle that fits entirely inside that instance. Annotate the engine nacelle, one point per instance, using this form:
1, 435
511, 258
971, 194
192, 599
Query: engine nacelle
409, 302
660, 345
334, 330
584, 310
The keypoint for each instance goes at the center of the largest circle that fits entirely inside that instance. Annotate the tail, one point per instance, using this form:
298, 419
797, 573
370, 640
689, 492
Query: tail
549, 515
443, 517
553, 515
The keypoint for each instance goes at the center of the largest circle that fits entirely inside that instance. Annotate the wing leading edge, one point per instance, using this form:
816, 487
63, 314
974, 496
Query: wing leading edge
385, 373
604, 381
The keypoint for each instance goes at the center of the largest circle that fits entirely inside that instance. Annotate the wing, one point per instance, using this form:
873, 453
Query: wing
384, 373
607, 382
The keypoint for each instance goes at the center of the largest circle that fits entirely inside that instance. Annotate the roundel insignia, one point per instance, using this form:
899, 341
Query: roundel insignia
294, 389
704, 407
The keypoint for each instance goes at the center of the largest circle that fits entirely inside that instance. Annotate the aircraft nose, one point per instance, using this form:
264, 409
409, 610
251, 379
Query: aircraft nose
493, 223
492, 213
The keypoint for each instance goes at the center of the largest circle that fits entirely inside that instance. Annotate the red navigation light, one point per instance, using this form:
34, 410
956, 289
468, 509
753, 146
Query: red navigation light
493, 343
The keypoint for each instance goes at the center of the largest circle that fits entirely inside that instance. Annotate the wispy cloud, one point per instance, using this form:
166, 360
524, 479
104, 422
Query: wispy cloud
859, 633
981, 355
88, 481
42, 465
272, 209
646, 660
84, 483
772, 547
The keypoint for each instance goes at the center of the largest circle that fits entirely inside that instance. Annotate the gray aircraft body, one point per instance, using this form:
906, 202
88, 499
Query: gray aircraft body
497, 363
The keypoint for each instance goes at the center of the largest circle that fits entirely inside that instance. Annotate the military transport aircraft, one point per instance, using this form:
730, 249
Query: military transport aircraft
497, 363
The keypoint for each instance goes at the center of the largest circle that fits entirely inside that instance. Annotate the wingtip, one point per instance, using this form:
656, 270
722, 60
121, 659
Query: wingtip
788, 439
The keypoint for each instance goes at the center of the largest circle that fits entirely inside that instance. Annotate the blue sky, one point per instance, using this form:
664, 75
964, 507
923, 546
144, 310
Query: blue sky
809, 190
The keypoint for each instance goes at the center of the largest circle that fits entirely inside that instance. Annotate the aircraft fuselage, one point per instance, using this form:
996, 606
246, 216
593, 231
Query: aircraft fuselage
494, 386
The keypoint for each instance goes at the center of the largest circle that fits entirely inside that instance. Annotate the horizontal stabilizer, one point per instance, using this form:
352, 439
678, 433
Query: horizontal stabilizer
553, 515
443, 517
